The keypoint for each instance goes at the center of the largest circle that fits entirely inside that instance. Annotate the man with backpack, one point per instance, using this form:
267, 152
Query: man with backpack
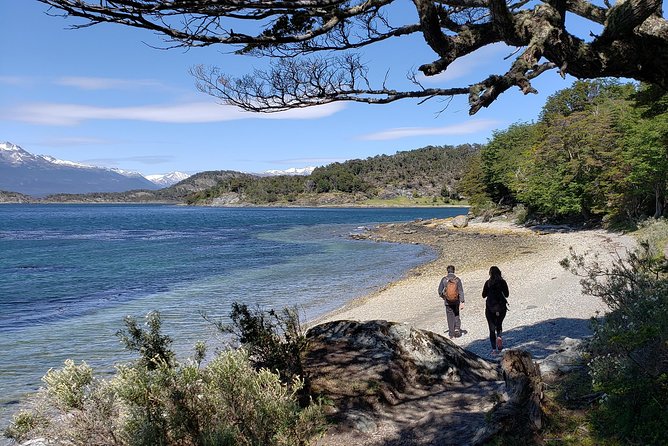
452, 292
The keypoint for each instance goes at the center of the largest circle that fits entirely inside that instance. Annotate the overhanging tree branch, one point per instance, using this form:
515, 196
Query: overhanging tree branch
633, 44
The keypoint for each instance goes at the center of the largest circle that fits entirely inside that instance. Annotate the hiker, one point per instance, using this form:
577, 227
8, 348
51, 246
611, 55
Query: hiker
452, 292
496, 292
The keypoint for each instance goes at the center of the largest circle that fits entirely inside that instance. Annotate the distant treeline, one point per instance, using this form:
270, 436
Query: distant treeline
431, 172
598, 152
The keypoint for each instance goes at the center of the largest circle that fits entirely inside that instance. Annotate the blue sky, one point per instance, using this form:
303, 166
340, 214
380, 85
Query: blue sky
104, 96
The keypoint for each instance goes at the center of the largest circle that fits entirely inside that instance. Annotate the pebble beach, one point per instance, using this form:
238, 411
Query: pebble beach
546, 301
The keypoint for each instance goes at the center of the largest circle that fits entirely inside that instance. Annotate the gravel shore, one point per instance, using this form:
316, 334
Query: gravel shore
546, 301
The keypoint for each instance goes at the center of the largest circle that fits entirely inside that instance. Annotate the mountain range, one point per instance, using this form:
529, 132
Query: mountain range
40, 175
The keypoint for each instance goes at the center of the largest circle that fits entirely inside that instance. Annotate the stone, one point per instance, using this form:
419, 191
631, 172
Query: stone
460, 221
567, 357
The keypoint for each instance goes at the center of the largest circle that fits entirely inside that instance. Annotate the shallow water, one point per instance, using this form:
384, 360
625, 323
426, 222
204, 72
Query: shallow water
70, 273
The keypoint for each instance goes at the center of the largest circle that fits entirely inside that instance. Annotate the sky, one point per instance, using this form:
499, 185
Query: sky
106, 96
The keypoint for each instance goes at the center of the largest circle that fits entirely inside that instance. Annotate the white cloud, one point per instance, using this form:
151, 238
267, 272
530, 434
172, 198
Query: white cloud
471, 64
74, 141
15, 80
307, 161
187, 113
145, 159
104, 83
466, 128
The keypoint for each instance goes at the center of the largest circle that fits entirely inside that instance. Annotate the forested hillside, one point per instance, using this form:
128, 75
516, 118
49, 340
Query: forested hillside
598, 153
428, 175
177, 193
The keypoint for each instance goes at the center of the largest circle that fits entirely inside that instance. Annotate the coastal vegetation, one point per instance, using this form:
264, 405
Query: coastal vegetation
236, 397
597, 154
624, 390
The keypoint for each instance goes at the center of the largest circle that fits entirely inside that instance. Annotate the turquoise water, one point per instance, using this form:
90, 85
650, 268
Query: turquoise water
70, 273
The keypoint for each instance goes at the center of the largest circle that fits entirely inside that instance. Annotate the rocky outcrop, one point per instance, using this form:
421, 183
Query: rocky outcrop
391, 384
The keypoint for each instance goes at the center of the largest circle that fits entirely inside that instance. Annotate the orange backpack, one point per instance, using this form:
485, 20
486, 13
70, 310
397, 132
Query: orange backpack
452, 290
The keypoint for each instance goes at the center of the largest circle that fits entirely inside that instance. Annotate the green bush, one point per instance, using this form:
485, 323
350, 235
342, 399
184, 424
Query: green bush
152, 346
274, 339
629, 348
158, 401
67, 386
23, 423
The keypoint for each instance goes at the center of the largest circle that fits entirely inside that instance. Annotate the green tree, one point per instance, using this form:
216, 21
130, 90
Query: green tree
503, 161
645, 143
566, 177
472, 185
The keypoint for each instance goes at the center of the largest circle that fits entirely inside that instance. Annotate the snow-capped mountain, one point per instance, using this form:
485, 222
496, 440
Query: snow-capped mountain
167, 179
291, 171
24, 172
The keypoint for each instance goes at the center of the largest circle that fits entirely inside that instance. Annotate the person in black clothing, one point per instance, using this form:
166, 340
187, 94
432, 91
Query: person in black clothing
496, 292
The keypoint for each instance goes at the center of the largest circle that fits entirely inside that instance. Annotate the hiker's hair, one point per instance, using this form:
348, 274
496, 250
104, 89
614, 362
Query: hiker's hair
495, 274
451, 269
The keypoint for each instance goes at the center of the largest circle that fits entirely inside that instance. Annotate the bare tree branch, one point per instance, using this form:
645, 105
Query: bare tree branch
633, 44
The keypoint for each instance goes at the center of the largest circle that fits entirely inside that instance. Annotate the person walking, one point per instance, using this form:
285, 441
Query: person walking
451, 290
496, 292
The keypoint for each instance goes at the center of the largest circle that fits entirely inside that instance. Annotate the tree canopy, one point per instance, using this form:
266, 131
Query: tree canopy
599, 152
316, 44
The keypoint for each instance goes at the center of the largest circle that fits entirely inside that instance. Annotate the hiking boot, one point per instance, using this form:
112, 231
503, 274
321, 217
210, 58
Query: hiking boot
499, 343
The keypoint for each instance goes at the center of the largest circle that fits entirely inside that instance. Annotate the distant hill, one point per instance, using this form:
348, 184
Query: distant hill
177, 193
430, 175
39, 175
14, 197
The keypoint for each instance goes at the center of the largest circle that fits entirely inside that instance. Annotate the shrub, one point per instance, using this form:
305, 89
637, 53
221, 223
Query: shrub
274, 339
67, 386
23, 423
629, 348
152, 346
520, 214
159, 401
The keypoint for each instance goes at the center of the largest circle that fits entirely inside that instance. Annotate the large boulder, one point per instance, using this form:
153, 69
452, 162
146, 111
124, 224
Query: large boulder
391, 384
460, 221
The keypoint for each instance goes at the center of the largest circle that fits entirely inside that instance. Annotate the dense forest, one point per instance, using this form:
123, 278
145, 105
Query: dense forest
598, 153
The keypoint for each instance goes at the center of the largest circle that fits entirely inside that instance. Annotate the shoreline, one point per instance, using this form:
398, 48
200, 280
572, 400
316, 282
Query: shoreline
546, 301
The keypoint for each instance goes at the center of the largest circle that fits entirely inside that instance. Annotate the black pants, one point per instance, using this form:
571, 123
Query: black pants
494, 322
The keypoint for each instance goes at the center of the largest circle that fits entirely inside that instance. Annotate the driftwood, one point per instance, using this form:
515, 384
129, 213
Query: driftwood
524, 388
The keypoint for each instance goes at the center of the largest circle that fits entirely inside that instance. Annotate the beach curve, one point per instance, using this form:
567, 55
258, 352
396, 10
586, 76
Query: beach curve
546, 301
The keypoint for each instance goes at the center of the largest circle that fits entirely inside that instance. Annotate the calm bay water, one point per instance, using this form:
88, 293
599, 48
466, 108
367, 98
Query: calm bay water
69, 274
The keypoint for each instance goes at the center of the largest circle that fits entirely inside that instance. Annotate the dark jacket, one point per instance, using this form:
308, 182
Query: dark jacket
496, 294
